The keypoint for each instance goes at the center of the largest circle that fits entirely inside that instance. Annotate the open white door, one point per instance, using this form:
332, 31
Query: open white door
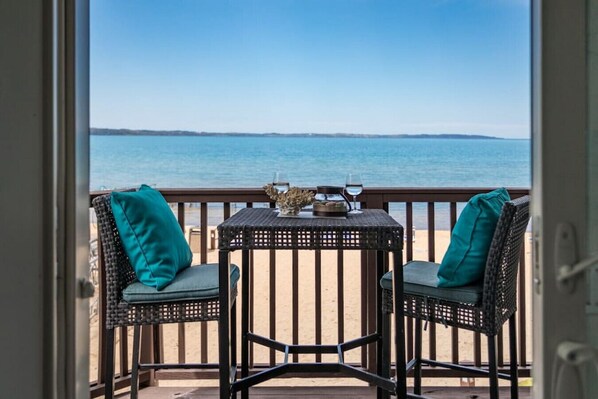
591, 255
565, 198
72, 182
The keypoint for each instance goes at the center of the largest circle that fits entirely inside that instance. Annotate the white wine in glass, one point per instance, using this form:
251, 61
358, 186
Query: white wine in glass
280, 182
354, 187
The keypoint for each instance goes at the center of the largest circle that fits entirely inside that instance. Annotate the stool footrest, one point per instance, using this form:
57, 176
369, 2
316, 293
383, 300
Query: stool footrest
312, 349
467, 369
161, 366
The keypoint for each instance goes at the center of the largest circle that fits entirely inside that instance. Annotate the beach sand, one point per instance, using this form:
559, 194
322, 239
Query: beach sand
352, 277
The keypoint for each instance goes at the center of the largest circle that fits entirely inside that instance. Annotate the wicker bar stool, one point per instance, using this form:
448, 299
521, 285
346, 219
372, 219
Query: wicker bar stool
191, 297
482, 308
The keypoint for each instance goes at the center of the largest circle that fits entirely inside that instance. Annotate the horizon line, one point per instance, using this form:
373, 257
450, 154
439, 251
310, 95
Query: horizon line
150, 132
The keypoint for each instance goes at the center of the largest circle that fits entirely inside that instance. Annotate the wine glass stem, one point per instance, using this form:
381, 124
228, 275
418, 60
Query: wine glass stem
354, 202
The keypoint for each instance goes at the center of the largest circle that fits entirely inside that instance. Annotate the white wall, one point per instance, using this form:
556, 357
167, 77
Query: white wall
25, 206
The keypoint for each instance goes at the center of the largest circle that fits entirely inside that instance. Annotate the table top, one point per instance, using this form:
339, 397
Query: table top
261, 228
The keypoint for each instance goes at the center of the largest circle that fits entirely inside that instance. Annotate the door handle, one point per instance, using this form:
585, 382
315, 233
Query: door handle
566, 272
565, 255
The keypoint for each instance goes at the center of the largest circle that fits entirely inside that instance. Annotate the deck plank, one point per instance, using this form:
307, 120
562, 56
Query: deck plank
319, 392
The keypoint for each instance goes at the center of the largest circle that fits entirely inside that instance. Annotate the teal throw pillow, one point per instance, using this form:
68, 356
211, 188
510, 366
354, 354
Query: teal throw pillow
465, 260
150, 235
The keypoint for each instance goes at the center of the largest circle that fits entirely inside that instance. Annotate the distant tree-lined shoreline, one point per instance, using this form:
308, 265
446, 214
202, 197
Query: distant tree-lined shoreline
131, 132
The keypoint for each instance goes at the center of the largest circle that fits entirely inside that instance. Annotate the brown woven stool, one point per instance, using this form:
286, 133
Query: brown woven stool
151, 308
481, 308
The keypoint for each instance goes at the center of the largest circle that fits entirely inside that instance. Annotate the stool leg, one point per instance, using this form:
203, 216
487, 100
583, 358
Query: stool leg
399, 319
513, 357
224, 319
245, 307
109, 372
417, 371
380, 322
386, 337
135, 366
492, 367
233, 337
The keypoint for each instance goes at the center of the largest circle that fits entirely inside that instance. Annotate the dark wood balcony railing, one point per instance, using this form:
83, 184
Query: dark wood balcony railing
429, 207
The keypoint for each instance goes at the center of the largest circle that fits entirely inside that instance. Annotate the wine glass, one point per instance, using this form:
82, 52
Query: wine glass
354, 187
280, 182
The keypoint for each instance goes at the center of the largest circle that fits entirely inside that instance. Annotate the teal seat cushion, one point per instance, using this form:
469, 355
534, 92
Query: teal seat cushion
150, 235
465, 259
195, 282
420, 279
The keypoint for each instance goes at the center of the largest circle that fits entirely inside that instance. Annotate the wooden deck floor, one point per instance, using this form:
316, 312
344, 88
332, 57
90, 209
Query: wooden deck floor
318, 393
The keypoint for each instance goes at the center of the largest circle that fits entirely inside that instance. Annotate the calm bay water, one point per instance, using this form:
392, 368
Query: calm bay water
166, 161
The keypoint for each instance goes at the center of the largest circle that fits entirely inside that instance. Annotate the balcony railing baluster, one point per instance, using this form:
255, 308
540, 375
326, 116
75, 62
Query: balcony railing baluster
204, 232
251, 306
431, 258
477, 349
340, 295
454, 330
318, 300
409, 237
364, 305
181, 326
295, 293
522, 331
272, 303
101, 348
124, 351
500, 349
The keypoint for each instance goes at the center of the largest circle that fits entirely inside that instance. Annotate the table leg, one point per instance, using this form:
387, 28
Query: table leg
224, 349
382, 357
245, 320
399, 311
386, 339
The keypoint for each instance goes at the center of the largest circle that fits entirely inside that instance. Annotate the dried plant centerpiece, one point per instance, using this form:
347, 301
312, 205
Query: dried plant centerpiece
290, 202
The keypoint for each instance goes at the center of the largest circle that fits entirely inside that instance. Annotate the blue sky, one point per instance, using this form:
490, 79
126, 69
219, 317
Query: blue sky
355, 66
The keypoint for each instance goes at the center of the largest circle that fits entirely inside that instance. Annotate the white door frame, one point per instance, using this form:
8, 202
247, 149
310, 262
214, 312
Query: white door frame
71, 96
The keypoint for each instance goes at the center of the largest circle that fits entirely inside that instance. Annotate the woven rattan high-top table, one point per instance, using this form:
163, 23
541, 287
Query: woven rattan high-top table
253, 228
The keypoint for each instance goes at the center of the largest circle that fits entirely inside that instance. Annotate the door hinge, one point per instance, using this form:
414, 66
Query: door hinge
86, 288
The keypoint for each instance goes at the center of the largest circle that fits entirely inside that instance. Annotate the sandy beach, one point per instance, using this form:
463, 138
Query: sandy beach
352, 277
